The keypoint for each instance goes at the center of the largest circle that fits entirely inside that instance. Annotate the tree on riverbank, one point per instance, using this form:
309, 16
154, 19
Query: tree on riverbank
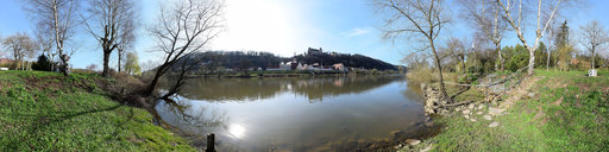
111, 23
185, 28
417, 17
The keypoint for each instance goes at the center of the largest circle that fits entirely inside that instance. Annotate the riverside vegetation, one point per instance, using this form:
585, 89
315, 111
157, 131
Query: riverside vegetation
549, 111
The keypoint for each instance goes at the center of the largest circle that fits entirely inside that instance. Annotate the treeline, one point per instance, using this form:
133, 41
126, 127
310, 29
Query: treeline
239, 60
560, 53
355, 60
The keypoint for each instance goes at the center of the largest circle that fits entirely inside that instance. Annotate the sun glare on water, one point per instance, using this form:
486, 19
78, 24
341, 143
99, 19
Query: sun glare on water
236, 130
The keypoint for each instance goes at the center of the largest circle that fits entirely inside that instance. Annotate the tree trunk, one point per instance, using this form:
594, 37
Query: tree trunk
548, 59
500, 56
593, 57
439, 65
463, 64
155, 80
531, 61
119, 61
64, 65
106, 70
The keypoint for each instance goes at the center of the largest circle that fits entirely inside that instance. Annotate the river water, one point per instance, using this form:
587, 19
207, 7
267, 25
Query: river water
294, 114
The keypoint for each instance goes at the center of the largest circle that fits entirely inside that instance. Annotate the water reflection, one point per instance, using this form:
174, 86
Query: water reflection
273, 114
213, 89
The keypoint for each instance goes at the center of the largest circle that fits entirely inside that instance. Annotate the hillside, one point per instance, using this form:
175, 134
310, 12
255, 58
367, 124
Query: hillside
238, 60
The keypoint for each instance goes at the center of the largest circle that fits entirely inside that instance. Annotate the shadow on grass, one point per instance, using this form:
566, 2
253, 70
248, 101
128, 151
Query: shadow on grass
40, 121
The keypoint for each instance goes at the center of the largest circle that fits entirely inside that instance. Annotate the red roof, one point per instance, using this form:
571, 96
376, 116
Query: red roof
5, 61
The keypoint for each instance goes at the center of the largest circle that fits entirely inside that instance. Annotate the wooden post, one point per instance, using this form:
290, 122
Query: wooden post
210, 143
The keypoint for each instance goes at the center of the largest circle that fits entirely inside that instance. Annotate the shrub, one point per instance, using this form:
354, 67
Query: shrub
517, 61
43, 64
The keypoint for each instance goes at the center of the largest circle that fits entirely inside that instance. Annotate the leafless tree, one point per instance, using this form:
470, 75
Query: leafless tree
21, 46
57, 16
486, 17
550, 44
546, 12
111, 23
422, 17
457, 51
125, 45
593, 37
184, 28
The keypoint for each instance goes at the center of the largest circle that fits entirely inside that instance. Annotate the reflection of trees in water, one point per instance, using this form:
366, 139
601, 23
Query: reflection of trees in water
413, 91
316, 89
211, 89
193, 122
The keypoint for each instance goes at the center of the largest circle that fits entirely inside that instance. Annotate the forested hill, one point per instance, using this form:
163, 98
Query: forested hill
251, 59
355, 60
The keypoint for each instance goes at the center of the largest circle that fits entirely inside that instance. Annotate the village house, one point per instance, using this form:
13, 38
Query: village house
339, 67
5, 63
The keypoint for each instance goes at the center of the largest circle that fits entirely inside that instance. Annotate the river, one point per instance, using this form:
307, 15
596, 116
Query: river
294, 114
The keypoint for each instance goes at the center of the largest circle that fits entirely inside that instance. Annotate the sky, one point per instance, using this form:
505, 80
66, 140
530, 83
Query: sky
287, 27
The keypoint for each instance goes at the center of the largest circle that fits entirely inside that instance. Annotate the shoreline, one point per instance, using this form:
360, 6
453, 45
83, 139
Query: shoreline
549, 111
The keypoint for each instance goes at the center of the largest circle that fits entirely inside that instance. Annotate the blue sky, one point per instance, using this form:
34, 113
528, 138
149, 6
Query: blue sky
288, 27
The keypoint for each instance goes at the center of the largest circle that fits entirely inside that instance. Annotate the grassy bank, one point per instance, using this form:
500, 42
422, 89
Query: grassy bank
44, 111
559, 111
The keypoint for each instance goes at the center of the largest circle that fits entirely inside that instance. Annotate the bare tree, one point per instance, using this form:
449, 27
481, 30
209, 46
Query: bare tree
111, 23
21, 46
125, 45
593, 36
550, 44
546, 12
185, 28
57, 16
458, 51
422, 17
486, 17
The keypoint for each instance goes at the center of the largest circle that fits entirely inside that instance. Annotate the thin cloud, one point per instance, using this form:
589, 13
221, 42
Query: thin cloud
357, 32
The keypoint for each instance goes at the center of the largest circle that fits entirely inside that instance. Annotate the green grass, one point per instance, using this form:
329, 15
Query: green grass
44, 111
579, 123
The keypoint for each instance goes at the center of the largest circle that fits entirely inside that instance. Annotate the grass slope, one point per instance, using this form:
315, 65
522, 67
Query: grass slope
44, 111
564, 111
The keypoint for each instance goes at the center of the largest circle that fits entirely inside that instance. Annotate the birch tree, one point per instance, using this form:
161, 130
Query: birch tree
546, 11
593, 37
423, 18
59, 17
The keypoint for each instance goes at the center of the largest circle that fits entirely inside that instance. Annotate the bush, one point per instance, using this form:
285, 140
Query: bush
43, 64
517, 61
